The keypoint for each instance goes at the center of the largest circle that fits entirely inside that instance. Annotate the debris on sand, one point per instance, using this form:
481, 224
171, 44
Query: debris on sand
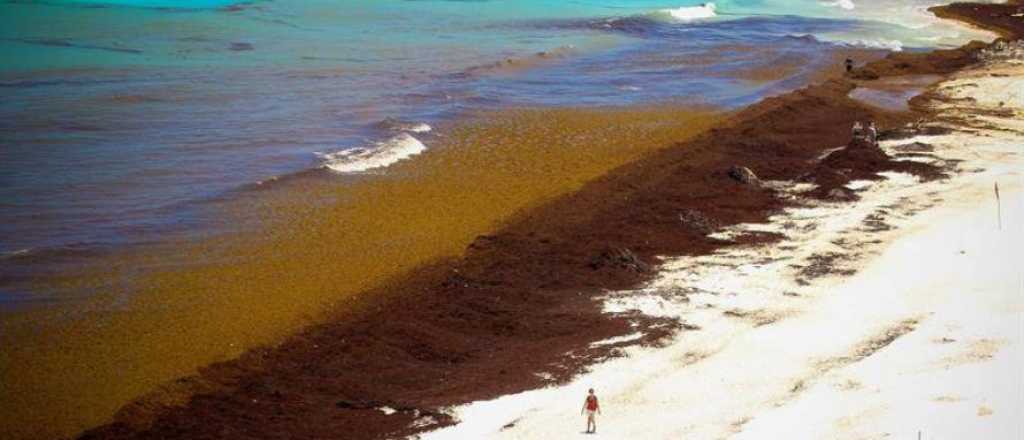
743, 175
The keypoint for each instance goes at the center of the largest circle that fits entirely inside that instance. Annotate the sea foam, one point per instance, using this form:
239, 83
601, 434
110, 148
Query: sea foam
393, 124
845, 4
380, 155
691, 13
893, 45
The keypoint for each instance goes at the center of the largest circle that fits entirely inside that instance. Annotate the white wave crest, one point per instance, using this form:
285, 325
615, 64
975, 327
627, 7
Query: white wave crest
845, 4
419, 127
893, 45
380, 155
400, 125
691, 13
16, 253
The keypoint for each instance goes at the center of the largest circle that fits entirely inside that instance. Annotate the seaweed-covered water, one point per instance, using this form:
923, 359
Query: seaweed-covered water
122, 120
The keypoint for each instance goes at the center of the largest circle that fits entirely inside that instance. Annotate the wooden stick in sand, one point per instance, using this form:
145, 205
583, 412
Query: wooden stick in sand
999, 208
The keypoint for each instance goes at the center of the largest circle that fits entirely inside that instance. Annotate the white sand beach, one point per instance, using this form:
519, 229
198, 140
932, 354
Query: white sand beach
898, 316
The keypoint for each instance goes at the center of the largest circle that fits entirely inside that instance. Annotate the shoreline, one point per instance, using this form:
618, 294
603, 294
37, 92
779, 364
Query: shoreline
498, 308
531, 154
1001, 18
886, 317
480, 326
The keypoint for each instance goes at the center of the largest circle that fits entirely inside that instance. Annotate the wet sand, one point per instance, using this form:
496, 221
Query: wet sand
516, 309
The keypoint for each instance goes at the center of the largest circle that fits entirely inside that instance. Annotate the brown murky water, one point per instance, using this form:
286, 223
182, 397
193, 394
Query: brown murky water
162, 312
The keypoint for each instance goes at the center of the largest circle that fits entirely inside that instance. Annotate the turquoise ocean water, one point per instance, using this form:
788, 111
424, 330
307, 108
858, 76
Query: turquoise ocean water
120, 119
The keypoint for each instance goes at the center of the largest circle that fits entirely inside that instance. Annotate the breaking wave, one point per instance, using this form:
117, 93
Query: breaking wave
381, 154
392, 124
893, 45
689, 13
844, 4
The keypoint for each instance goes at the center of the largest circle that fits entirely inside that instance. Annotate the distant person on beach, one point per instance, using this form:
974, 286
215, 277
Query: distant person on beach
872, 133
591, 407
858, 130
849, 65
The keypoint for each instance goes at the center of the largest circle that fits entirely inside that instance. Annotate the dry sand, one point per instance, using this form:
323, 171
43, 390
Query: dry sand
898, 315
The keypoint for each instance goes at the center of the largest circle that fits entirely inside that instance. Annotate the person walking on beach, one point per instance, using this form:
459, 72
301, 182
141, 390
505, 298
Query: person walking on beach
591, 407
872, 133
858, 130
849, 65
